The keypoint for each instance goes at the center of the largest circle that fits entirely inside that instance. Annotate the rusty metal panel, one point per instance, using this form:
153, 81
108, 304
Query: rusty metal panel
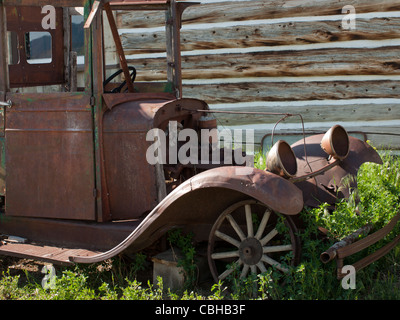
327, 187
51, 254
49, 156
131, 181
22, 20
68, 233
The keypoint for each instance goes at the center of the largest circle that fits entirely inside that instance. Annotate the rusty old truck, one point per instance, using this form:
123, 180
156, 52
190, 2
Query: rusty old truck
76, 185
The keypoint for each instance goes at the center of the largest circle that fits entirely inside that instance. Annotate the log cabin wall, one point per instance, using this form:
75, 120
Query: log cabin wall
294, 56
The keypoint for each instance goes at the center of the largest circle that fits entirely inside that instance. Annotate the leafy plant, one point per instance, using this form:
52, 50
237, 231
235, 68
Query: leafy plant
187, 262
375, 201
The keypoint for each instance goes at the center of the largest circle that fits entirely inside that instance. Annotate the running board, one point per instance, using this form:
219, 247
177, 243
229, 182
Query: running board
52, 254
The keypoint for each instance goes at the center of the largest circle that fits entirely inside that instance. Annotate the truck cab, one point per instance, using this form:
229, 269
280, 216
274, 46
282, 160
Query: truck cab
73, 123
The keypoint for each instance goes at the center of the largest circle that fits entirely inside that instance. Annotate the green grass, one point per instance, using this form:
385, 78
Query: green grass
375, 201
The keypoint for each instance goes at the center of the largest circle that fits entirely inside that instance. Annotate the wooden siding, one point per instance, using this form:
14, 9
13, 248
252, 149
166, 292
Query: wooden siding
283, 56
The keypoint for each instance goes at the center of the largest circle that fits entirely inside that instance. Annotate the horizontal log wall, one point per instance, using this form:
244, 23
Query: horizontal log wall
290, 56
317, 62
264, 33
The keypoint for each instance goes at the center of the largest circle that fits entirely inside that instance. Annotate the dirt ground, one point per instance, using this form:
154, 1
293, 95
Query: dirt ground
17, 266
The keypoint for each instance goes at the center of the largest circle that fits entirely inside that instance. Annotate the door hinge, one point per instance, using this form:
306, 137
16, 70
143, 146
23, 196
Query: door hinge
94, 193
92, 101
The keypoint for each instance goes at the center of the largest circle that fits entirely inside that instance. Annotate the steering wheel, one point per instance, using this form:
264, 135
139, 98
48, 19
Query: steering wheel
115, 74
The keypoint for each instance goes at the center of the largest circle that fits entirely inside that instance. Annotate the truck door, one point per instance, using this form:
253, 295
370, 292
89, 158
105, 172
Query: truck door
49, 151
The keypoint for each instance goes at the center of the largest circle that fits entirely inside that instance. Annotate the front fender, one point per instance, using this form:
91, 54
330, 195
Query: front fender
201, 199
277, 193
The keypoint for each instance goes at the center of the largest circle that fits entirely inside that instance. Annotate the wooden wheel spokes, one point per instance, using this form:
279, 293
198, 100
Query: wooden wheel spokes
227, 238
251, 249
263, 224
249, 221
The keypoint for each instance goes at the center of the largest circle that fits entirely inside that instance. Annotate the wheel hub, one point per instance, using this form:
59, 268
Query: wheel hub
250, 251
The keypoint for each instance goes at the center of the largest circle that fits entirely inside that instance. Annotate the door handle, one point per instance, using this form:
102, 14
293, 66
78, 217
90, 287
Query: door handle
6, 104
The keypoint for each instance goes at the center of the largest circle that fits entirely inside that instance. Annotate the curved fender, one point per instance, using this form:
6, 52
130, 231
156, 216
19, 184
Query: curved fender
328, 187
274, 191
202, 198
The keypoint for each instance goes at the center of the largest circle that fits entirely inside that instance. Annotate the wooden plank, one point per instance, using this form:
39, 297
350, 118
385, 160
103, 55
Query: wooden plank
173, 41
383, 137
291, 91
139, 5
255, 10
359, 126
42, 3
118, 46
261, 33
385, 141
267, 142
313, 113
382, 141
318, 62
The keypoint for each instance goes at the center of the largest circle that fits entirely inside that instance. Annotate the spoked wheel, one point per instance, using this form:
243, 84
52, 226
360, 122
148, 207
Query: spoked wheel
248, 237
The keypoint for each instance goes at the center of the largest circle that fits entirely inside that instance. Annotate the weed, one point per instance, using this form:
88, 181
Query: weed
187, 262
376, 200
